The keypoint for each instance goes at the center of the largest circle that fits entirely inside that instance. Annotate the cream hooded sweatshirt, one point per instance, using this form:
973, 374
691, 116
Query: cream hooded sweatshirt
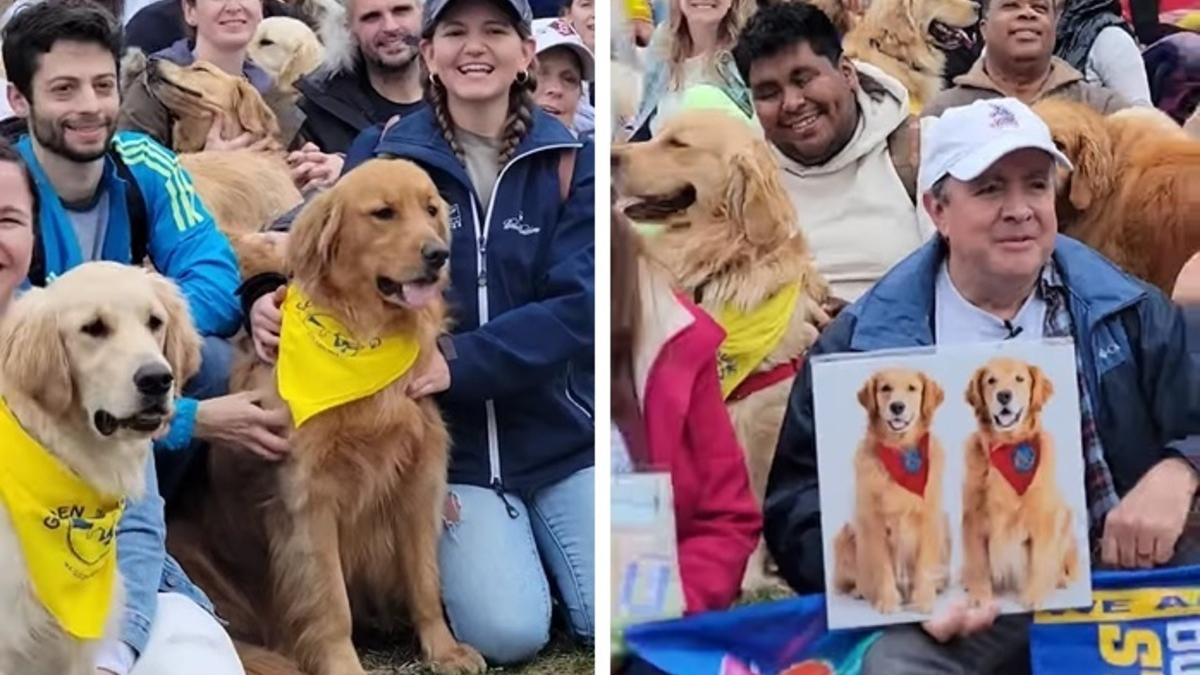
854, 210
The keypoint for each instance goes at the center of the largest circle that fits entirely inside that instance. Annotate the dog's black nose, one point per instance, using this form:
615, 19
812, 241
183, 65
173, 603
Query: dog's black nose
1004, 396
435, 255
896, 407
153, 379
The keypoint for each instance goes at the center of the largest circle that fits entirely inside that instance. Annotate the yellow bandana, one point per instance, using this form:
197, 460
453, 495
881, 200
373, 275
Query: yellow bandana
914, 104
321, 366
751, 336
66, 528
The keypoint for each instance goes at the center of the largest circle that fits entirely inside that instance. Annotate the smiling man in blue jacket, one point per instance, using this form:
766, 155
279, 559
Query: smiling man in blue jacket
998, 270
119, 197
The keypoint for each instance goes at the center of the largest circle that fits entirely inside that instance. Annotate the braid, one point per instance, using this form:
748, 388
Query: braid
436, 94
520, 117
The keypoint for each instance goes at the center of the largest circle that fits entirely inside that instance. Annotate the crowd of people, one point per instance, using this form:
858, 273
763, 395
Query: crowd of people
88, 173
906, 216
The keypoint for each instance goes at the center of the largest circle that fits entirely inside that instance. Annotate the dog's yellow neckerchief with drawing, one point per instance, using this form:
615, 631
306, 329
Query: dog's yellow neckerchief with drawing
66, 529
322, 366
751, 336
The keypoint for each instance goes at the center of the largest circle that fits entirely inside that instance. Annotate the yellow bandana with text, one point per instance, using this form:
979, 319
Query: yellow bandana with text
322, 366
751, 336
67, 531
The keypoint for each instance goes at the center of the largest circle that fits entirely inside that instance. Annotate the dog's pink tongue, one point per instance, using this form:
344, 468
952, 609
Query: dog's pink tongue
419, 295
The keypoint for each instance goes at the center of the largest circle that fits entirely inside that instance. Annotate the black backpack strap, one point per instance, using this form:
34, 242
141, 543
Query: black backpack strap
135, 204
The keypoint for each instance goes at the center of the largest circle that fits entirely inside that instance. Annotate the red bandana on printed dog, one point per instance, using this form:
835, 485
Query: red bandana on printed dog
909, 467
1017, 462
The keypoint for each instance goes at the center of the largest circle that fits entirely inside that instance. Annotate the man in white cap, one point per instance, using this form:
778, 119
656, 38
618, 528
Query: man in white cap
997, 271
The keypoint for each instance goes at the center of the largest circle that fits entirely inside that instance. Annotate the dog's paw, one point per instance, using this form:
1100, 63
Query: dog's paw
979, 595
1032, 599
462, 659
888, 601
922, 600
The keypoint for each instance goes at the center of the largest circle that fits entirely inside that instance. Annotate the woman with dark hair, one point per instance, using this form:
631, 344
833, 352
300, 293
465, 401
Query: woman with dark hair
18, 216
1096, 40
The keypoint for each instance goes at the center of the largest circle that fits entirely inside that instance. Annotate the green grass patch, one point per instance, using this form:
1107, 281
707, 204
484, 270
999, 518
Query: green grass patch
561, 657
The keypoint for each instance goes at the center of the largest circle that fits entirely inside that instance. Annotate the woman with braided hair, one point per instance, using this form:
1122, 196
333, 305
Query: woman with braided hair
515, 378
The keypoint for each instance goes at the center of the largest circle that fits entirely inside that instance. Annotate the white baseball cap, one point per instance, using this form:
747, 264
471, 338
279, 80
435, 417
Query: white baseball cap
550, 33
965, 141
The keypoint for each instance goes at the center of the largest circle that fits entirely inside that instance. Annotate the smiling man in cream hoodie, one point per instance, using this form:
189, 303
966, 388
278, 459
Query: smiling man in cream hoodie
843, 136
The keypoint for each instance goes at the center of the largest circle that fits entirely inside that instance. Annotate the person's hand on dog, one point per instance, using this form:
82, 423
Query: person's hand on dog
1142, 530
961, 620
432, 378
245, 141
312, 168
240, 420
266, 319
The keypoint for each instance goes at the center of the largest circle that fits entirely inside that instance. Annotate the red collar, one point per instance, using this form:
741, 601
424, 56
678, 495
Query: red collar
909, 467
1017, 462
756, 382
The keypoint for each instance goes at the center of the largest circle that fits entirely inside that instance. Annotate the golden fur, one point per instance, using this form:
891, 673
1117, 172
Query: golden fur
1022, 543
287, 49
1135, 190
68, 353
346, 529
897, 549
901, 38
243, 189
731, 235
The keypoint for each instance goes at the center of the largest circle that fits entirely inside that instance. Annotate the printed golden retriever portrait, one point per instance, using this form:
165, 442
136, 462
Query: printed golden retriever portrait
1017, 533
897, 549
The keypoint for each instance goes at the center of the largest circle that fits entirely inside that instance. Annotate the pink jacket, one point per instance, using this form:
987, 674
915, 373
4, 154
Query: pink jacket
689, 434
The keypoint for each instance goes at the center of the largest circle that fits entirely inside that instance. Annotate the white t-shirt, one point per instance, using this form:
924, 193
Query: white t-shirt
957, 321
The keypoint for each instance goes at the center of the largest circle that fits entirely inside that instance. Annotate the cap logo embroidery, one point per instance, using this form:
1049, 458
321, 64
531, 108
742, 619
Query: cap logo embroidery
1002, 118
562, 28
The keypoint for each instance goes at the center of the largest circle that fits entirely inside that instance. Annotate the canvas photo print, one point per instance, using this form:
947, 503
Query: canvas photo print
947, 473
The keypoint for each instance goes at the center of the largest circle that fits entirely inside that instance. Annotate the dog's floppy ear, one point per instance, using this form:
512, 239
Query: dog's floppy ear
252, 112
1040, 390
312, 243
181, 344
974, 395
757, 199
307, 56
33, 356
866, 396
931, 397
1094, 169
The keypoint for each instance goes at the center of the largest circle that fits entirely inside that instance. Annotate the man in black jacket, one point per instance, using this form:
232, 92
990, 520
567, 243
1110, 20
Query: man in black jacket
372, 73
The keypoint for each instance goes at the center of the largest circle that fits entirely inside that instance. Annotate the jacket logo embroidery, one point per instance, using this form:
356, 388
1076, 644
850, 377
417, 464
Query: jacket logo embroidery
519, 225
455, 217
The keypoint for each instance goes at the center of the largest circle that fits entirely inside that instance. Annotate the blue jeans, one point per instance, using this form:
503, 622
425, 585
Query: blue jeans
494, 584
212, 381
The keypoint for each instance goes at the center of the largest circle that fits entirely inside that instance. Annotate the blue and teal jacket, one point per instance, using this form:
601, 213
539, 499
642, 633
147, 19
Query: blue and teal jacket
522, 297
1140, 364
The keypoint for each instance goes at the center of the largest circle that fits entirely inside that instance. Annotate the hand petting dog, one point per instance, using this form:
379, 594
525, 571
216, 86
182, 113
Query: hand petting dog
1141, 532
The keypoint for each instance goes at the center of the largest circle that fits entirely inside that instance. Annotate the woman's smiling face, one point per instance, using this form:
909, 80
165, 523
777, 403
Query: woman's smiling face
476, 51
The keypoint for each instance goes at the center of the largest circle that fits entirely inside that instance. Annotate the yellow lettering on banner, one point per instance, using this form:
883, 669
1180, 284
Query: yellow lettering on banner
1131, 605
1124, 648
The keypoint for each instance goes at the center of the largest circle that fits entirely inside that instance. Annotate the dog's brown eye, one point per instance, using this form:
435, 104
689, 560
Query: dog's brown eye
991, 380
887, 389
265, 42
385, 213
432, 209
154, 323
676, 143
96, 328
1020, 378
912, 387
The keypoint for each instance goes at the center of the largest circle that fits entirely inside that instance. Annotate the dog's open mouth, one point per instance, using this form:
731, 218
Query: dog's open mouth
898, 424
658, 207
146, 421
947, 37
1007, 417
408, 294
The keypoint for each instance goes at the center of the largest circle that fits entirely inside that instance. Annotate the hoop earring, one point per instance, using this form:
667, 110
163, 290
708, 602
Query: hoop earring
522, 78
433, 79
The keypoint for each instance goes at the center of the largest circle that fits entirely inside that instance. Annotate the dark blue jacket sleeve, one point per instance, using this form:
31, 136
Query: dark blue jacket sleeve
530, 344
1170, 358
792, 509
363, 147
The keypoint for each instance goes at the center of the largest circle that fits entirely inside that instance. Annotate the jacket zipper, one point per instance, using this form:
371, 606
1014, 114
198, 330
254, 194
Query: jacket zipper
481, 235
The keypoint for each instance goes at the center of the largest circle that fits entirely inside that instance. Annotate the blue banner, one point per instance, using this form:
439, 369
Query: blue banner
785, 637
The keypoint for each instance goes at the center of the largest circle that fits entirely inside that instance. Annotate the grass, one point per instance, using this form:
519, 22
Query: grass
560, 657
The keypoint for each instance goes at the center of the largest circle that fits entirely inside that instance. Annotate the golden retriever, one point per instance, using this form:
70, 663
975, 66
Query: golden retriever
907, 38
731, 240
345, 530
1135, 190
287, 49
897, 549
244, 190
90, 367
1016, 527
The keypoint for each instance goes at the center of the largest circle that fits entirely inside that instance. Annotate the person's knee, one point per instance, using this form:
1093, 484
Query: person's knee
904, 650
506, 638
186, 640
